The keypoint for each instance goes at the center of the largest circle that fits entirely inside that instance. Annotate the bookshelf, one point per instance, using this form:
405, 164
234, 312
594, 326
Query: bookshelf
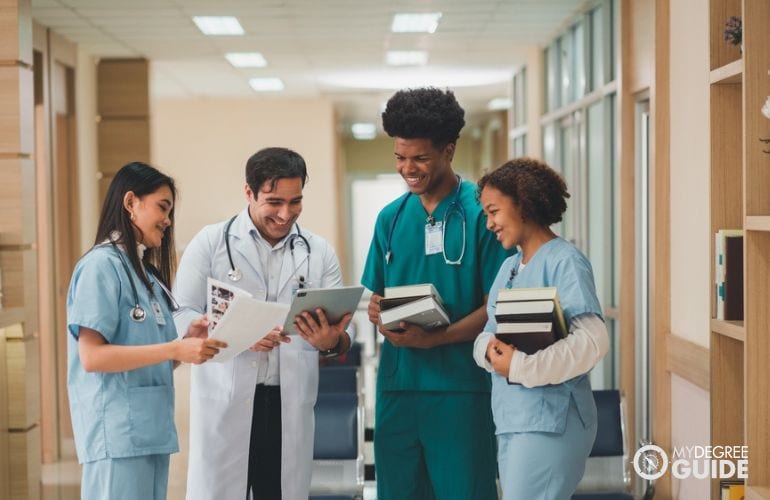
740, 173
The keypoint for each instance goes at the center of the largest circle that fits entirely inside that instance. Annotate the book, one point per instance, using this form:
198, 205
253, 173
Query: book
426, 312
532, 311
523, 294
733, 278
721, 239
732, 490
529, 318
413, 291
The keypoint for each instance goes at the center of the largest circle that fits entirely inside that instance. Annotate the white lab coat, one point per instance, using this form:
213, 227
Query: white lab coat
221, 394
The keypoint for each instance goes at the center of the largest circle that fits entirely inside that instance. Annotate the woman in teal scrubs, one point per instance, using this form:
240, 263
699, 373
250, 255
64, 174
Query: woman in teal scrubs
543, 408
122, 343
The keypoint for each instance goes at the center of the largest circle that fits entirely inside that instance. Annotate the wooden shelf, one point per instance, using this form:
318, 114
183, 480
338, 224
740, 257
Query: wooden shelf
757, 492
757, 223
732, 329
729, 73
11, 315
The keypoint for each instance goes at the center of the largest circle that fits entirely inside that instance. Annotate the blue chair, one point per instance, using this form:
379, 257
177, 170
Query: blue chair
338, 457
607, 475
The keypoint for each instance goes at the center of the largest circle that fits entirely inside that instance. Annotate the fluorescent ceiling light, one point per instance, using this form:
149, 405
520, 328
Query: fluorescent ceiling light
271, 84
406, 57
426, 22
364, 131
246, 59
218, 25
499, 103
397, 78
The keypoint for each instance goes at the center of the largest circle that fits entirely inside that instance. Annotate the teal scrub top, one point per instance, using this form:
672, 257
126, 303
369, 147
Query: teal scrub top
462, 287
124, 414
516, 408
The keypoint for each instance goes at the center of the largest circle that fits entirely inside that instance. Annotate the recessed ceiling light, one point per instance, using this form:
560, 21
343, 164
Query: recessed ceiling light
425, 22
218, 25
499, 103
271, 84
364, 131
246, 59
406, 57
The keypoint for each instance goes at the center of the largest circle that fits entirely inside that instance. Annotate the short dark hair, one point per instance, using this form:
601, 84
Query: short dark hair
272, 164
424, 113
537, 189
141, 179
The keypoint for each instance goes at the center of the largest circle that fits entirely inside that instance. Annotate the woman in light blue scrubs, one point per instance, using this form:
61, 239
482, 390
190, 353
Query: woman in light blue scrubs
122, 343
543, 408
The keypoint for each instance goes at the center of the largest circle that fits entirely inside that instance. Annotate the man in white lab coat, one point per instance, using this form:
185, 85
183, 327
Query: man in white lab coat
251, 418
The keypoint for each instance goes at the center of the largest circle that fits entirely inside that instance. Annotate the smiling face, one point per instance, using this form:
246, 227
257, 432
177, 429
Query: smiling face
423, 167
503, 217
150, 215
275, 211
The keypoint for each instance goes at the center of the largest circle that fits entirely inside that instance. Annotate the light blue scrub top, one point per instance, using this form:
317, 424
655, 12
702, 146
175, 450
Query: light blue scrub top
516, 408
124, 414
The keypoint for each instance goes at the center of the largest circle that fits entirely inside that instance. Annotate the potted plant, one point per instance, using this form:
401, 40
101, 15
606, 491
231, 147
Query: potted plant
734, 31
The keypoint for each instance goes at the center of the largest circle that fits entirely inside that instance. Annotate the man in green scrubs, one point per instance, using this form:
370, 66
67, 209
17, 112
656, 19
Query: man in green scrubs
433, 436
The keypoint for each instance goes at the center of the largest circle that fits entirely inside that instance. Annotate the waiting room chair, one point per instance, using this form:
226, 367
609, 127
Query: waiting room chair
607, 475
338, 457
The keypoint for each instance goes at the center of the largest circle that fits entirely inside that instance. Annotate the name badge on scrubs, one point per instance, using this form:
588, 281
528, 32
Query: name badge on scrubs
434, 243
158, 312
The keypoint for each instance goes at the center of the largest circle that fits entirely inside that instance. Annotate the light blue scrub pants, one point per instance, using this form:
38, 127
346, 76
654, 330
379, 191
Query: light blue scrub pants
132, 478
545, 465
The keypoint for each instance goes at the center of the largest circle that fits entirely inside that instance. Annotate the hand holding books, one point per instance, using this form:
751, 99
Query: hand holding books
499, 355
408, 314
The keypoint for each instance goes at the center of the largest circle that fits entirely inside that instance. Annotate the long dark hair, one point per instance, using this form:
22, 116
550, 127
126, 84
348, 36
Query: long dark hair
142, 180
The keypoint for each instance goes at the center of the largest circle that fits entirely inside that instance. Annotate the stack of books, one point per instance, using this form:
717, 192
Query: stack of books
417, 304
529, 318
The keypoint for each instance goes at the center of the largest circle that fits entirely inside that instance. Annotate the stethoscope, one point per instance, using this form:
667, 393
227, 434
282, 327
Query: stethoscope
137, 313
454, 207
235, 274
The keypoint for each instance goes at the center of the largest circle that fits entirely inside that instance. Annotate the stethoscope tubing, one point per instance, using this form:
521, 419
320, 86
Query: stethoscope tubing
454, 206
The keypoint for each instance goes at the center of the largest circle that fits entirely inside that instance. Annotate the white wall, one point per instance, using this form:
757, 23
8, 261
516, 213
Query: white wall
204, 145
690, 238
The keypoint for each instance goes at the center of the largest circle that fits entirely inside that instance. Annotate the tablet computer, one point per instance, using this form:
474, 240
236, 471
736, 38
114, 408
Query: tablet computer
335, 302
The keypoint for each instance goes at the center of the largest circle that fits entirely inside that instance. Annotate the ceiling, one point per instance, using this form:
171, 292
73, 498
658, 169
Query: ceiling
317, 47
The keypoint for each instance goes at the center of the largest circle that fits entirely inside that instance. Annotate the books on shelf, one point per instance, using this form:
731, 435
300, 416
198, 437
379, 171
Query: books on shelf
418, 304
530, 319
728, 275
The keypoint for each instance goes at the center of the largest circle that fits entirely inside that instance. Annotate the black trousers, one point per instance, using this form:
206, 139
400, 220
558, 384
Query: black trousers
265, 446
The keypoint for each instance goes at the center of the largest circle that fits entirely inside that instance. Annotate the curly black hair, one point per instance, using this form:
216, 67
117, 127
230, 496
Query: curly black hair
424, 113
537, 189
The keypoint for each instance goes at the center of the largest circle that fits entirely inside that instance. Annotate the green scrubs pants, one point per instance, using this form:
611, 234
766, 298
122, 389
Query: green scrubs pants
434, 445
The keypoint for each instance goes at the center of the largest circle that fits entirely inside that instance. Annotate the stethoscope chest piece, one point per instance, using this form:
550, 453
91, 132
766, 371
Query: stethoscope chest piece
137, 314
234, 274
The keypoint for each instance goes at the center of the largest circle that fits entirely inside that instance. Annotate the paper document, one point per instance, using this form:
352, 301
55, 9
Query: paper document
246, 321
219, 296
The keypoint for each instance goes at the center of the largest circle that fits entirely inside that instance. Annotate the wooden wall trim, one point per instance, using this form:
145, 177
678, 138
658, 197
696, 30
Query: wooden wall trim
689, 360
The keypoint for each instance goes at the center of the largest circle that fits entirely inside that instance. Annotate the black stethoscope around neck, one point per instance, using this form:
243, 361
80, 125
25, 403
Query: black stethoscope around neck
454, 207
235, 274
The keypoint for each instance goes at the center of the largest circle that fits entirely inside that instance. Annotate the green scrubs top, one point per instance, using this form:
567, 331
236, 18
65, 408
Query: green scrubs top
462, 287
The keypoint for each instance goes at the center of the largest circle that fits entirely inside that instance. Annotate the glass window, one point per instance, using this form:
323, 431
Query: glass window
579, 84
568, 170
599, 199
520, 98
598, 45
566, 60
552, 76
520, 146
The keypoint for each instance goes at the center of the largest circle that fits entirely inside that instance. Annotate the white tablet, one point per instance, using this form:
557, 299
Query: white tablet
335, 302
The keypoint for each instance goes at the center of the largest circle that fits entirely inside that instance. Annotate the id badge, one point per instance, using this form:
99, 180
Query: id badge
158, 312
434, 243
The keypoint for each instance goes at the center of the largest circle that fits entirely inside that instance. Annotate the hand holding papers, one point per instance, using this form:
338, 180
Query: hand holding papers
246, 321
239, 319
